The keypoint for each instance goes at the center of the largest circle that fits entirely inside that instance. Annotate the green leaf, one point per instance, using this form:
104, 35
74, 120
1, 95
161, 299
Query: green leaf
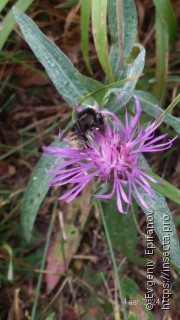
85, 21
51, 316
111, 99
120, 226
130, 288
68, 4
67, 80
9, 250
162, 48
3, 4
92, 276
132, 316
164, 9
164, 187
100, 92
150, 105
9, 21
161, 211
166, 32
99, 27
129, 33
93, 87
36, 190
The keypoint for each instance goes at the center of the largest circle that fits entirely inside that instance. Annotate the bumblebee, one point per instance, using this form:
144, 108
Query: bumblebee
87, 122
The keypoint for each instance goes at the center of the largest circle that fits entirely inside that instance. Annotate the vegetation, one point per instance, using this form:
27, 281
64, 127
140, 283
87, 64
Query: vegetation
84, 259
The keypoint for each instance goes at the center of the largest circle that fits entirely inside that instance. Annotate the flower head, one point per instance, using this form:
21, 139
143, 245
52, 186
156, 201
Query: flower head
113, 157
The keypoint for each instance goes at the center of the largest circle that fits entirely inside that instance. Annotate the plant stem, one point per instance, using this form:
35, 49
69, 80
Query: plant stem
119, 10
113, 259
43, 262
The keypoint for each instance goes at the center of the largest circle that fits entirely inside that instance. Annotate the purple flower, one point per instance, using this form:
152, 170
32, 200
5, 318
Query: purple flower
113, 158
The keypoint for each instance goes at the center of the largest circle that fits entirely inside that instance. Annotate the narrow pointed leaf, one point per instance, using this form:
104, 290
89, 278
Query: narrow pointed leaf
162, 49
9, 21
115, 98
164, 187
129, 33
85, 22
100, 92
99, 27
166, 32
167, 15
66, 78
3, 4
36, 191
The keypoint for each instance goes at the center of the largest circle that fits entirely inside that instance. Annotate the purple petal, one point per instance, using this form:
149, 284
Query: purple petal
119, 202
140, 197
76, 192
124, 196
106, 196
